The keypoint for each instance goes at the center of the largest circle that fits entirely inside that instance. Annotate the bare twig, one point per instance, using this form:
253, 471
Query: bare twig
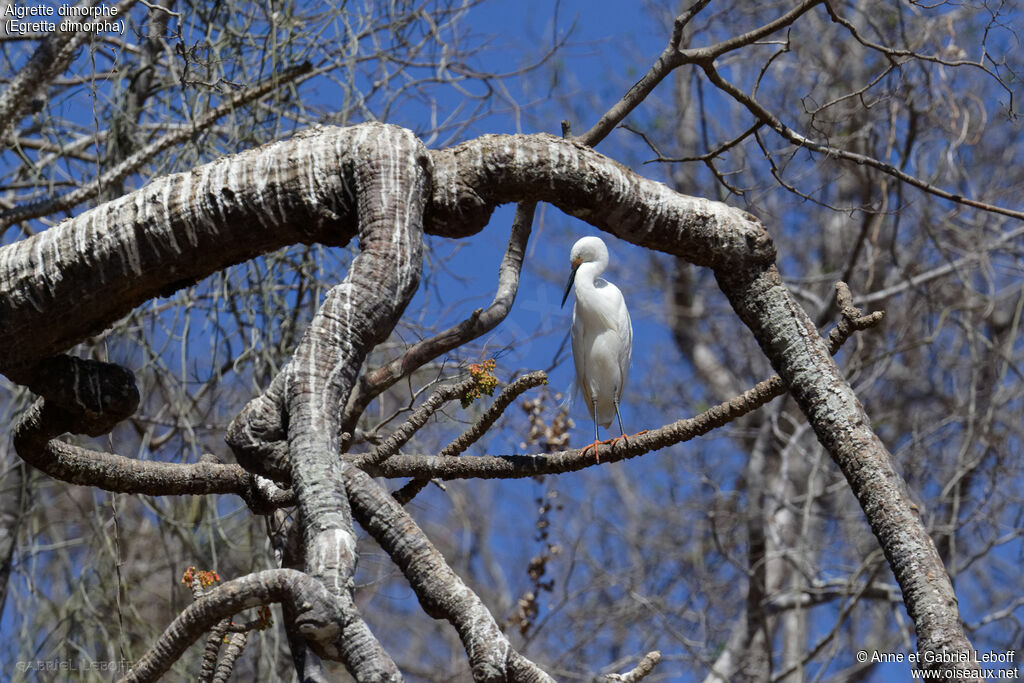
641, 671
50, 59
476, 430
773, 122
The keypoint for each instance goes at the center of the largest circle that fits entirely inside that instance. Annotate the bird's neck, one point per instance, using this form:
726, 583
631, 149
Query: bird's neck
587, 275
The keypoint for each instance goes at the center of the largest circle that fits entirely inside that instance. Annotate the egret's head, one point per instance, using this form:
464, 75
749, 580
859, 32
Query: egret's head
586, 250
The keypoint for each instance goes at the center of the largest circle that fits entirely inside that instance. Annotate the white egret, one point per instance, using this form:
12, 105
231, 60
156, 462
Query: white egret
602, 335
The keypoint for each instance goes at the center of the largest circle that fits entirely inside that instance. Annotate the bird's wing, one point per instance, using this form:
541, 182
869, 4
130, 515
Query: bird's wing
625, 331
578, 354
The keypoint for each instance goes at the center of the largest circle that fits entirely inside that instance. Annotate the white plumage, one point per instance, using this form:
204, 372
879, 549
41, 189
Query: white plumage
602, 334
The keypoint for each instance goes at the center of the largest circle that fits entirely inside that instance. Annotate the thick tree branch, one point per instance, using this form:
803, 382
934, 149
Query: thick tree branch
166, 235
473, 178
183, 227
386, 171
34, 442
385, 186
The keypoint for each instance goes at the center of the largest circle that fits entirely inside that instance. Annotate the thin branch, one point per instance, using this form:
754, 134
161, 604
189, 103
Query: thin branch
895, 54
34, 442
415, 421
136, 160
50, 59
476, 430
478, 323
669, 60
772, 121
493, 412
707, 156
673, 57
642, 670
940, 271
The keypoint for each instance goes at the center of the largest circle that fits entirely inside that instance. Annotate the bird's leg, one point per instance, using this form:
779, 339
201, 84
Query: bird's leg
597, 455
611, 442
623, 436
622, 432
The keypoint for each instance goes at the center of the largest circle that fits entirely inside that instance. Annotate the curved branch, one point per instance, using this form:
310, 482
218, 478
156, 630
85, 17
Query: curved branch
385, 171
471, 179
185, 226
171, 233
318, 617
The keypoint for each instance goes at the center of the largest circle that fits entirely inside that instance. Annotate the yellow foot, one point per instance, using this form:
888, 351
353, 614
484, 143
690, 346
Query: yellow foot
626, 438
610, 442
597, 455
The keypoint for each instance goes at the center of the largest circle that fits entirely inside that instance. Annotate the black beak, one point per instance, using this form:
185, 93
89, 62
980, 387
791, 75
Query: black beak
568, 285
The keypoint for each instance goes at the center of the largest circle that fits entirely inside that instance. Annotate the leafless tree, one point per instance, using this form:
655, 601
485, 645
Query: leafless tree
299, 372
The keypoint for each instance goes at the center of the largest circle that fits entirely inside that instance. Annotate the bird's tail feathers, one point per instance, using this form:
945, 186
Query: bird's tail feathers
571, 394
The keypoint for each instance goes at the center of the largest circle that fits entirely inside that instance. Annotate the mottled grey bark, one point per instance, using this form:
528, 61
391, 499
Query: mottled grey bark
386, 170
173, 232
378, 182
441, 593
